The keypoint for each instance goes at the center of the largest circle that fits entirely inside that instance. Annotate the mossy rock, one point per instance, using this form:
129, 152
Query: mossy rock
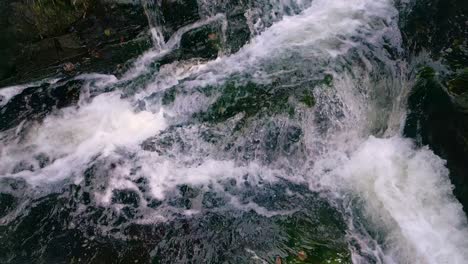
306, 246
459, 84
203, 42
328, 80
44, 18
308, 99
250, 99
458, 88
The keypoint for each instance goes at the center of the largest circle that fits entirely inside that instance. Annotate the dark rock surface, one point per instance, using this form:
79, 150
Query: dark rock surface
435, 120
41, 36
438, 105
45, 38
35, 102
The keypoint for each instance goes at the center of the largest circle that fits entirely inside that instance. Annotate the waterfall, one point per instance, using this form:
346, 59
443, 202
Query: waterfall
152, 12
301, 124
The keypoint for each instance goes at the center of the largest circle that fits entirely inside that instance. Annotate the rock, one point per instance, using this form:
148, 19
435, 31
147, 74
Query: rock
433, 119
187, 13
458, 88
438, 104
238, 32
250, 99
126, 197
35, 102
278, 260
203, 42
69, 67
46, 18
42, 35
7, 203
302, 256
433, 25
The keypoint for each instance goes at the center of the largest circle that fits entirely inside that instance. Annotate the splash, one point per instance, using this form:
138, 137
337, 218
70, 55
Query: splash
407, 196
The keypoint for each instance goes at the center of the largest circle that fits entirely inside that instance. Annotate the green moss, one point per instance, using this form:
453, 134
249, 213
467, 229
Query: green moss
308, 99
426, 73
48, 17
307, 242
291, 111
250, 99
459, 84
203, 42
328, 80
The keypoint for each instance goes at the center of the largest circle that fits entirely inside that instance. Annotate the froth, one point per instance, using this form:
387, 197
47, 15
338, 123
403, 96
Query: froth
407, 192
74, 135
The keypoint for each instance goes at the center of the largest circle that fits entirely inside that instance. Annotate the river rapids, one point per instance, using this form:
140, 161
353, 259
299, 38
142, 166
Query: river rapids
288, 150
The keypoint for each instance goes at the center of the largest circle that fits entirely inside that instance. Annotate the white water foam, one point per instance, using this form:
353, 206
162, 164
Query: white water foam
74, 135
407, 192
6, 93
405, 196
322, 31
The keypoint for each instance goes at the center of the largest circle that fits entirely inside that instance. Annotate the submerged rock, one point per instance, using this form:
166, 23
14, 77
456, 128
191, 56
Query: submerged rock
92, 233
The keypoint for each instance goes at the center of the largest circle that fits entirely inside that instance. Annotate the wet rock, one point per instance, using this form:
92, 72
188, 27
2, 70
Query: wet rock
7, 203
250, 99
435, 120
238, 32
42, 159
22, 166
42, 35
203, 42
294, 133
213, 200
328, 80
433, 25
458, 88
438, 102
47, 17
178, 13
69, 67
34, 103
126, 197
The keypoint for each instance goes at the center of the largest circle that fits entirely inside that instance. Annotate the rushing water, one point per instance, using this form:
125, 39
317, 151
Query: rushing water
289, 147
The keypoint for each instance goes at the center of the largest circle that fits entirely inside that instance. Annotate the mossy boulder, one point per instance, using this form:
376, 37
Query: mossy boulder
249, 99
